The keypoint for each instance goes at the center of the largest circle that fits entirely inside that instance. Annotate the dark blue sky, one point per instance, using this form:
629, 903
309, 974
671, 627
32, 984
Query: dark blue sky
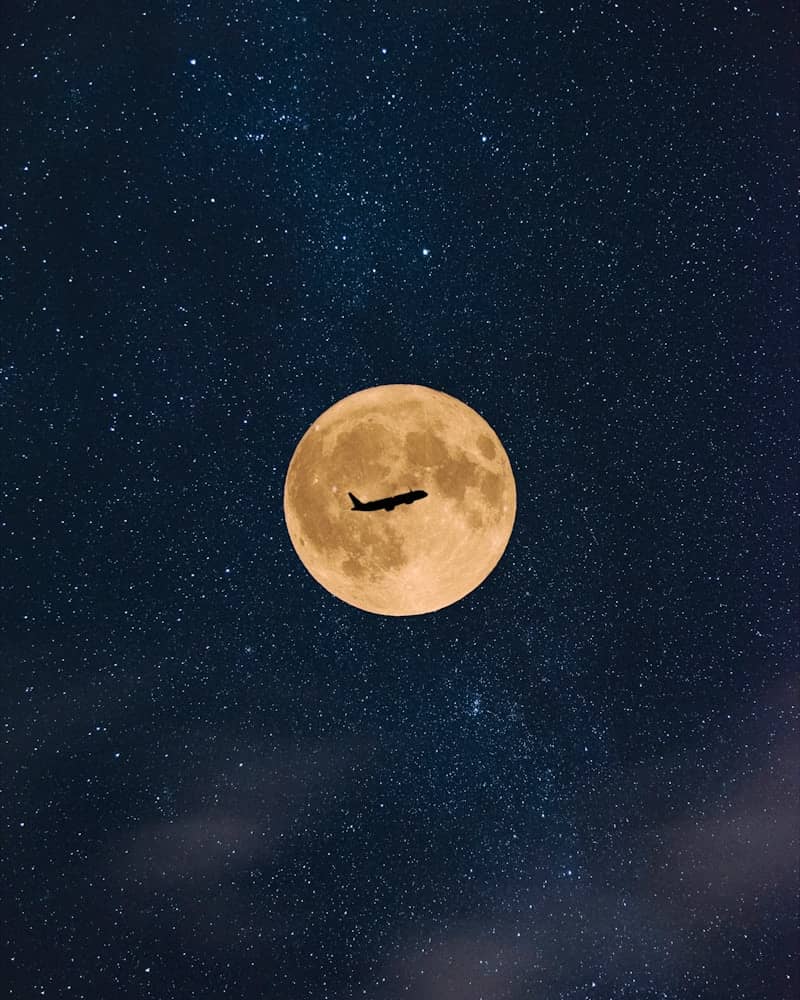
216, 220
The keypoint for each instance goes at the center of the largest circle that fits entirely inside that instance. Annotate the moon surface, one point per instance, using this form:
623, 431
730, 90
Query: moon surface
381, 442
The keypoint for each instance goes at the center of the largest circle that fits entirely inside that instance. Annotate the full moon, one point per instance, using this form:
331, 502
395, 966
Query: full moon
439, 493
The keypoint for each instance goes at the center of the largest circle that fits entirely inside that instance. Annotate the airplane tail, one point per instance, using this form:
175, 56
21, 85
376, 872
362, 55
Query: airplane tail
357, 504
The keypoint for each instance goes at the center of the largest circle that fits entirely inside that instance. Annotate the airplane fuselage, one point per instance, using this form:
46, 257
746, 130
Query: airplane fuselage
388, 503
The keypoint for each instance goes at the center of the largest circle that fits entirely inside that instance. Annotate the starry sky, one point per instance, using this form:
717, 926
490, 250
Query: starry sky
217, 220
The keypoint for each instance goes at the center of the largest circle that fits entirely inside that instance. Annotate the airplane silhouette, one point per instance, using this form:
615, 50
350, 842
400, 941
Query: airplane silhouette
387, 503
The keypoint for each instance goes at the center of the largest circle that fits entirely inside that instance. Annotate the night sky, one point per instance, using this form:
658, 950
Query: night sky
218, 779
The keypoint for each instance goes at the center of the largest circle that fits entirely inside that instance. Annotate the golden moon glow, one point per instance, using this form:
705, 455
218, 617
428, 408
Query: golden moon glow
419, 556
